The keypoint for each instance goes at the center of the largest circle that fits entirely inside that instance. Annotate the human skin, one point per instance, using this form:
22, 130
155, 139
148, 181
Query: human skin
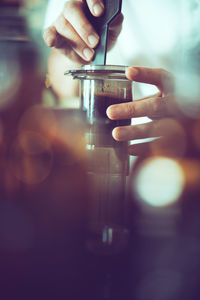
162, 108
72, 40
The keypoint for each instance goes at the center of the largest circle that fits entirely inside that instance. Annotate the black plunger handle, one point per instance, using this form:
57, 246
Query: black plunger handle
101, 25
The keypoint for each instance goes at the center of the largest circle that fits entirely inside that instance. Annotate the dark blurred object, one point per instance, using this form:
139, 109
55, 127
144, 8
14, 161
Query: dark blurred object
165, 190
43, 183
12, 24
44, 188
21, 82
101, 25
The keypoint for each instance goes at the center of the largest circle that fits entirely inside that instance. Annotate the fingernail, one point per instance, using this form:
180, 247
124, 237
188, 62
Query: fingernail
93, 40
98, 9
114, 134
113, 112
88, 53
119, 134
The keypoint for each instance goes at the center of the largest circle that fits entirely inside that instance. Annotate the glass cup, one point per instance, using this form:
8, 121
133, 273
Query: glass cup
107, 159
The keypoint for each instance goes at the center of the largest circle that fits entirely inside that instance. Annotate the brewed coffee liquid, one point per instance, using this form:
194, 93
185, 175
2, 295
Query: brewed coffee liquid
100, 129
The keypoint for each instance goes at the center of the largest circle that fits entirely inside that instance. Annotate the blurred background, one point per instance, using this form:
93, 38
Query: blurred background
44, 187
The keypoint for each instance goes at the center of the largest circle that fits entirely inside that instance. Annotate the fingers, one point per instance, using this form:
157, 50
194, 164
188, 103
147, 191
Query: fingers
74, 28
142, 131
141, 149
167, 127
50, 36
170, 132
96, 7
75, 16
159, 77
72, 39
163, 146
155, 107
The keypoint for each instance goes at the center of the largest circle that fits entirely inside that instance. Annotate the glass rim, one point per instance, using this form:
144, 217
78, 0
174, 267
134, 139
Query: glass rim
95, 71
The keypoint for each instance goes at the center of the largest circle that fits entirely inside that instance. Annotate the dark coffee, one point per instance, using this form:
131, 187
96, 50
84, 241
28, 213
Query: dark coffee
100, 126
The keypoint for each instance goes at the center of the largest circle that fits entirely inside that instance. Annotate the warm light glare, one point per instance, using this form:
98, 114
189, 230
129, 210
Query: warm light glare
159, 182
32, 157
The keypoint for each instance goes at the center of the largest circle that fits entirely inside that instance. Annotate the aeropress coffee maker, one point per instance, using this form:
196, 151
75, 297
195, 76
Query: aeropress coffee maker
102, 85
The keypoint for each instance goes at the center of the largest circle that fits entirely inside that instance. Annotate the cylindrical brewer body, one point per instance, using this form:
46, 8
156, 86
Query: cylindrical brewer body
108, 162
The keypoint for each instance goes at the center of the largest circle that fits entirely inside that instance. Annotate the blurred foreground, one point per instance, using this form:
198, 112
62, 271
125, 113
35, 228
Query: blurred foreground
44, 196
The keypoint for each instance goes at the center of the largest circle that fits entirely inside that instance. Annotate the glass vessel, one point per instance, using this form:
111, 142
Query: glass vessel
107, 159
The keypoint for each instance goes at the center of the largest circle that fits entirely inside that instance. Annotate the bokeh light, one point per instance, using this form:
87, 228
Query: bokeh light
159, 181
63, 128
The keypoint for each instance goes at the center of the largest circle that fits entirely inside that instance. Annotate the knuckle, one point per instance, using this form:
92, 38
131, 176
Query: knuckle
161, 70
61, 24
158, 107
71, 5
49, 37
161, 75
85, 28
164, 74
138, 132
48, 41
168, 81
130, 109
46, 35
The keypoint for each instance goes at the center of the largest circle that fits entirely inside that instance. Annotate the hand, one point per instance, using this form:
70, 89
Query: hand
74, 35
160, 107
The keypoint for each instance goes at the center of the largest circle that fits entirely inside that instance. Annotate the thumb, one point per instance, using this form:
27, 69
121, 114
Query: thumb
153, 76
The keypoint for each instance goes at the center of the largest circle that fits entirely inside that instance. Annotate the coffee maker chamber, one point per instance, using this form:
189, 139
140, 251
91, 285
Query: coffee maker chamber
107, 159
